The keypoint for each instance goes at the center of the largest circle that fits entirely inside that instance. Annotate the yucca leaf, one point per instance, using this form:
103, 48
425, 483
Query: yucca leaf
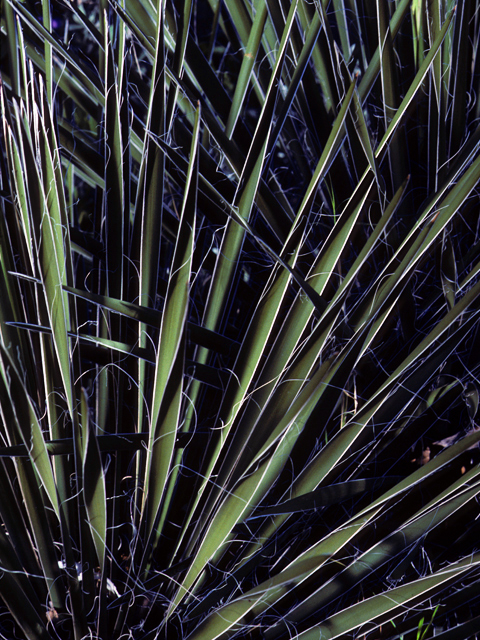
48, 225
448, 271
170, 350
239, 345
47, 23
249, 57
86, 79
236, 506
374, 65
414, 87
305, 564
28, 429
116, 176
331, 494
181, 38
14, 51
93, 485
377, 556
17, 411
385, 606
280, 403
457, 79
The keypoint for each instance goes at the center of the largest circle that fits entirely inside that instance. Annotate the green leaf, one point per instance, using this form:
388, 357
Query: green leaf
383, 607
94, 484
167, 391
28, 430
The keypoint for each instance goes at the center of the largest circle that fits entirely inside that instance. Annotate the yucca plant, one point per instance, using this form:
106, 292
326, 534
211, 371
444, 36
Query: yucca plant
239, 301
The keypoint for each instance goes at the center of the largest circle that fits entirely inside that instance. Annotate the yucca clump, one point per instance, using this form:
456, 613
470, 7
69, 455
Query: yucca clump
239, 312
